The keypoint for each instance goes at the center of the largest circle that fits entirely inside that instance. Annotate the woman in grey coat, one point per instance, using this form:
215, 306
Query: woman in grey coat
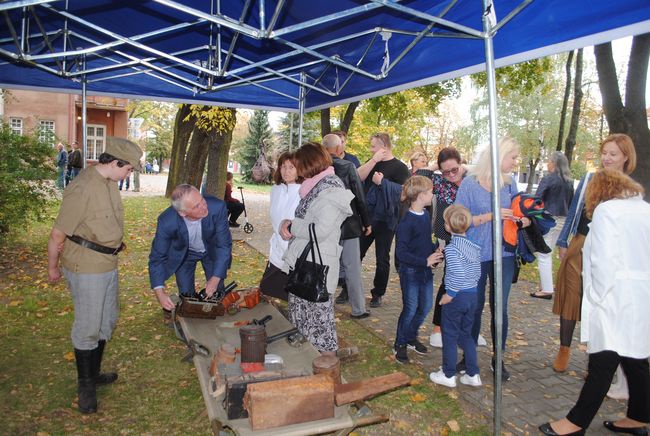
324, 202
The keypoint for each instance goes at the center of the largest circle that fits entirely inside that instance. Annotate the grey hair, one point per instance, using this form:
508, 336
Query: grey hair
561, 165
178, 195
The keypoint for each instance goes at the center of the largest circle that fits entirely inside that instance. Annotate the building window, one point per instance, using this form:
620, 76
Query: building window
46, 131
16, 125
96, 137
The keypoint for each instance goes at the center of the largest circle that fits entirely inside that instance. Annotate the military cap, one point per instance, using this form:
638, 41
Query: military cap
125, 150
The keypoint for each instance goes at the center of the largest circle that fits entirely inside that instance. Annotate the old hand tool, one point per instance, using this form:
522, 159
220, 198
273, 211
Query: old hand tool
281, 335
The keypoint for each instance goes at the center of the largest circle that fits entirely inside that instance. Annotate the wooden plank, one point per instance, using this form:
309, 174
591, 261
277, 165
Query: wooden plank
289, 401
360, 390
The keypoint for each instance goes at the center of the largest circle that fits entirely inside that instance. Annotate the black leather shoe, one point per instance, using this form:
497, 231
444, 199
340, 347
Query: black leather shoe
375, 301
548, 430
360, 316
609, 425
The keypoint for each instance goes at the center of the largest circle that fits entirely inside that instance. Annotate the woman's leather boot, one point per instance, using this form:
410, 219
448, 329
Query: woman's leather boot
562, 360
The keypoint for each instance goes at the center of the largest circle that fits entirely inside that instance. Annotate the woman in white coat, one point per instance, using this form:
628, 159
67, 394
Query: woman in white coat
284, 200
324, 202
616, 303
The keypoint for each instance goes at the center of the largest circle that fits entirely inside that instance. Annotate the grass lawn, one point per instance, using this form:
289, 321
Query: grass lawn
156, 393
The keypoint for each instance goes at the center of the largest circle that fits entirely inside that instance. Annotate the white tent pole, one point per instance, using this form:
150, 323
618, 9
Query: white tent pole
84, 120
301, 108
496, 228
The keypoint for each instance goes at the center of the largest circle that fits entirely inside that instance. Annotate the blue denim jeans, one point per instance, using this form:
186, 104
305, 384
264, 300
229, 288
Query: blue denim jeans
457, 321
487, 270
417, 299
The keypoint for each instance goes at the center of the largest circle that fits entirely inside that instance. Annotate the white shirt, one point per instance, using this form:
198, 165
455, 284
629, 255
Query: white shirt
284, 200
616, 278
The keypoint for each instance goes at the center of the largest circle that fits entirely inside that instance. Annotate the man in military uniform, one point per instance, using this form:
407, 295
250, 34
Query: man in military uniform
87, 236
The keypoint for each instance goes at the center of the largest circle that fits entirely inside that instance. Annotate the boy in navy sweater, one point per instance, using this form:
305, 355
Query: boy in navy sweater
463, 266
416, 253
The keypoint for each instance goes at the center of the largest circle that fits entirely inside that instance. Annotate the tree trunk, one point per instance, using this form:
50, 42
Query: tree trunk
325, 123
565, 102
218, 162
631, 118
570, 143
182, 132
197, 154
532, 166
348, 116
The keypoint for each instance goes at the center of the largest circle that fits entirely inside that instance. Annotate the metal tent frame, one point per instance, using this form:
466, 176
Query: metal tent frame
291, 55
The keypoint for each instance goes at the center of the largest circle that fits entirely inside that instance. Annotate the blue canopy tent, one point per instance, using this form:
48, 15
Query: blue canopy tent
293, 55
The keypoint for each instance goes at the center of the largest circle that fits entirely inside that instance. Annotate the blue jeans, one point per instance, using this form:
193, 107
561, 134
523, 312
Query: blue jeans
487, 270
417, 299
457, 321
186, 272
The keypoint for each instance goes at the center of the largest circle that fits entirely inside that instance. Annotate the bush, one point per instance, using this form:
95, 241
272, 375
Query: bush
26, 174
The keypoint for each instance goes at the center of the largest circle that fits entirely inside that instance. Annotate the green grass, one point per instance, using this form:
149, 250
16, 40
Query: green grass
156, 393
248, 187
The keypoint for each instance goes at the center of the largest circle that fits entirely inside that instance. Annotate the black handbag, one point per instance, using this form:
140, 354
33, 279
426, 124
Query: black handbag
308, 279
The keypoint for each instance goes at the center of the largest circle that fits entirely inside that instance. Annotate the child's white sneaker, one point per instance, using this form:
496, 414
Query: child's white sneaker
481, 342
471, 380
436, 340
440, 378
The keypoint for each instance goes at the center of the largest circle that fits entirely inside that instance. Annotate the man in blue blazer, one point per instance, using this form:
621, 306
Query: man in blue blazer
194, 228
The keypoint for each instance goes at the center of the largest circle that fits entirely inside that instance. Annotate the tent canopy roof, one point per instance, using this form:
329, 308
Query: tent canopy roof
255, 53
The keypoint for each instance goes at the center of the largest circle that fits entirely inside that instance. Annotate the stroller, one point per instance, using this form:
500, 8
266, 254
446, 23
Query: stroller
248, 227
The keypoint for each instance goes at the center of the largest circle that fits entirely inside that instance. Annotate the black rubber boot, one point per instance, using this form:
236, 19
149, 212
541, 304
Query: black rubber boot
86, 381
106, 378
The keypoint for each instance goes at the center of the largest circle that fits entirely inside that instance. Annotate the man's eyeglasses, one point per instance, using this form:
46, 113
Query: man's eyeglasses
453, 171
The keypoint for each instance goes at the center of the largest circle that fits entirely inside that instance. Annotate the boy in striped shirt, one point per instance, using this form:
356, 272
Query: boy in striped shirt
463, 266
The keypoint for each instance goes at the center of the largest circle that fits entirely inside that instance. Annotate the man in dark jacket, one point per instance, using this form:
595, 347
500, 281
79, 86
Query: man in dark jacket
353, 227
193, 229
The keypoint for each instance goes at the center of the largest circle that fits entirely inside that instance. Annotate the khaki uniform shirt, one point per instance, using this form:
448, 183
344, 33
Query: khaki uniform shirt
92, 209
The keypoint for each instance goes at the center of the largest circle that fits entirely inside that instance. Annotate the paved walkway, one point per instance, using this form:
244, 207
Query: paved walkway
535, 394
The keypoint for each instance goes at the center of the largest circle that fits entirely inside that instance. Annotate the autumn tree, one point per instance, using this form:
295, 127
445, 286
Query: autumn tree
259, 132
289, 126
628, 116
201, 134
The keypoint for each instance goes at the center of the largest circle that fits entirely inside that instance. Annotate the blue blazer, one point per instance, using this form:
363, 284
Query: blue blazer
171, 243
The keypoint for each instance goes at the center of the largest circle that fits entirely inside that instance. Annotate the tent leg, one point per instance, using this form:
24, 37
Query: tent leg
84, 119
301, 108
497, 229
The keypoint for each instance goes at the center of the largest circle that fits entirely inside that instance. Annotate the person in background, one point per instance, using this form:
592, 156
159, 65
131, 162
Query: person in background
284, 200
121, 183
61, 165
383, 176
556, 190
347, 156
86, 237
445, 187
418, 161
75, 161
325, 203
475, 193
615, 305
417, 254
462, 271
235, 207
136, 180
353, 227
616, 152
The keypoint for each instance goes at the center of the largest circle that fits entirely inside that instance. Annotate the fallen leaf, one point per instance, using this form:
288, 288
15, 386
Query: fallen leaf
453, 426
418, 398
69, 356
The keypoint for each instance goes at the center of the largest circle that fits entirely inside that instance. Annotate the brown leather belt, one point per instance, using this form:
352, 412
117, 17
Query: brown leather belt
96, 247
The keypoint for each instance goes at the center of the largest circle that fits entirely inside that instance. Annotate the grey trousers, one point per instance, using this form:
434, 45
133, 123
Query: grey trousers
351, 270
96, 307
